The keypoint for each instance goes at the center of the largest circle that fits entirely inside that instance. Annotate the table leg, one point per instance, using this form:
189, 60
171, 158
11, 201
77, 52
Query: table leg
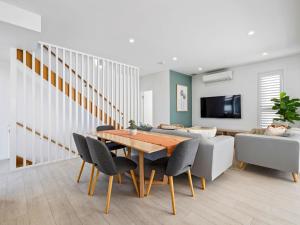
128, 153
141, 174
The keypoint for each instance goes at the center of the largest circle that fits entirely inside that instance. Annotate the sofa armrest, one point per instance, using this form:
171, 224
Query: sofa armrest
222, 154
214, 156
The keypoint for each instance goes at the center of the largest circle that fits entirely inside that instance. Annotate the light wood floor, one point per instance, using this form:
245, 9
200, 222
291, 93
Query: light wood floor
49, 195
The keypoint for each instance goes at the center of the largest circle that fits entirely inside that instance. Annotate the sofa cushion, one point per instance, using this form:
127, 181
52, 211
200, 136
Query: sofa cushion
176, 132
206, 132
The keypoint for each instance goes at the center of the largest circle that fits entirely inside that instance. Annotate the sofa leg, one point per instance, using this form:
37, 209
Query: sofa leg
203, 183
242, 165
295, 177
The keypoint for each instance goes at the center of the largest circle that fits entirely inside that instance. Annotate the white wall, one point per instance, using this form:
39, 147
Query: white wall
245, 83
159, 83
4, 109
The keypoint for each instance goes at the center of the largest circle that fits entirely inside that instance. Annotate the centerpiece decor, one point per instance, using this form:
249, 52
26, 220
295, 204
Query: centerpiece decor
132, 127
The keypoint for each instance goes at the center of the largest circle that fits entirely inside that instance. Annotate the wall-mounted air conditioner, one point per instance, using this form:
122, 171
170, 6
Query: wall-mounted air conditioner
215, 77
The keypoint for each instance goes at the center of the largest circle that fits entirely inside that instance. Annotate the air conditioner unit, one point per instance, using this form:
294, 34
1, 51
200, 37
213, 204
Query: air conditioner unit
215, 77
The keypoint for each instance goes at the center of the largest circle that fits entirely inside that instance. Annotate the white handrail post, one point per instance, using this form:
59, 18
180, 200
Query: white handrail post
56, 103
33, 77
64, 99
124, 97
103, 90
76, 94
24, 112
88, 94
82, 93
42, 105
13, 109
70, 104
138, 96
98, 92
93, 94
49, 101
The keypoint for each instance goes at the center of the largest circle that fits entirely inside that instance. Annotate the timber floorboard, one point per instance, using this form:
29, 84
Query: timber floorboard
49, 195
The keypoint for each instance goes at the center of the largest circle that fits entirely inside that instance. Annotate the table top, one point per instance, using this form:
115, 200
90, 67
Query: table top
136, 144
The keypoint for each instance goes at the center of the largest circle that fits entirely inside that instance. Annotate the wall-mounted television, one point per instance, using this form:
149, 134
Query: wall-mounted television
221, 107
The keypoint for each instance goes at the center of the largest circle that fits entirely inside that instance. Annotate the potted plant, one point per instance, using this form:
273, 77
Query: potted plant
287, 109
132, 127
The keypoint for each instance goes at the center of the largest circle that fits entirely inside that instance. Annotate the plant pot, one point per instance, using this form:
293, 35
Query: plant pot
132, 131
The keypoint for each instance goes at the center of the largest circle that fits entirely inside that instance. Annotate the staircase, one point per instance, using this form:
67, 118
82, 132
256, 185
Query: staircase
67, 90
59, 91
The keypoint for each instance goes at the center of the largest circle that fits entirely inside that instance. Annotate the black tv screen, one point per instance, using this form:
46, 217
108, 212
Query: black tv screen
221, 107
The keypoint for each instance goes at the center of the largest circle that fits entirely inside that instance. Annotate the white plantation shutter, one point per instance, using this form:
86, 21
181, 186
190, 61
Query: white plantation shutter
269, 86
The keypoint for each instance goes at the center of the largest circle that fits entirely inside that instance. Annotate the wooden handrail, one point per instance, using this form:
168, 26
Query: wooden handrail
88, 105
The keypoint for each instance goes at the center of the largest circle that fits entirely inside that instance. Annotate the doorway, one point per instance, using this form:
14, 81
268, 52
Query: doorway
147, 107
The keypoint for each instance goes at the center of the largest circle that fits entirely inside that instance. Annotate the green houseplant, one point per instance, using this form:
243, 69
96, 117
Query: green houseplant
132, 127
287, 108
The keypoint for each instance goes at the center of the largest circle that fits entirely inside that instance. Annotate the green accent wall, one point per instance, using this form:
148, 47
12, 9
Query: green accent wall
184, 118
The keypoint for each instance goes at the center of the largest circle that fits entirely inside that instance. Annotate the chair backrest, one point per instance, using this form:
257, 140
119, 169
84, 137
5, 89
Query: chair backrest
105, 127
101, 157
82, 147
183, 157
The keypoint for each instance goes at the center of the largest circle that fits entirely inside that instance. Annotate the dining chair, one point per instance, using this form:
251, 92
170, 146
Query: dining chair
109, 165
178, 163
84, 154
111, 145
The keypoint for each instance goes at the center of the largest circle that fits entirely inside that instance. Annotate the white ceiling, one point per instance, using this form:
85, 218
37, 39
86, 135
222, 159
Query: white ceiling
211, 34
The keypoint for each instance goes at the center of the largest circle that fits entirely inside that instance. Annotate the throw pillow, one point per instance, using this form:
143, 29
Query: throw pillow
275, 131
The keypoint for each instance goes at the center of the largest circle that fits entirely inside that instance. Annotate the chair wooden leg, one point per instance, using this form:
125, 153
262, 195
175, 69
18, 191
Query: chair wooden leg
134, 182
172, 194
150, 182
295, 177
80, 172
91, 179
94, 183
119, 178
191, 182
203, 183
110, 183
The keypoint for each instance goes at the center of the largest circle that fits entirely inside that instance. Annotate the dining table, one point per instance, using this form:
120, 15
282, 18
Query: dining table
144, 142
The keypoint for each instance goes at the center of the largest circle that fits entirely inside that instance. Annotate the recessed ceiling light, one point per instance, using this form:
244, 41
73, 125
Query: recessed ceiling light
131, 40
174, 58
200, 68
264, 54
251, 32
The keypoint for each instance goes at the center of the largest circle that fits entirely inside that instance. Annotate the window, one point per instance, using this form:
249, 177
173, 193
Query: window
269, 86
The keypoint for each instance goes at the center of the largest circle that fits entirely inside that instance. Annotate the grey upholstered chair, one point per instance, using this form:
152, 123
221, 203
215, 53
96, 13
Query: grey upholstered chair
180, 162
84, 154
111, 145
110, 166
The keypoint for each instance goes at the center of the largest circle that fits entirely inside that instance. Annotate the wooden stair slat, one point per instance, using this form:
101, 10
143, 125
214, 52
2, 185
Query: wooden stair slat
44, 137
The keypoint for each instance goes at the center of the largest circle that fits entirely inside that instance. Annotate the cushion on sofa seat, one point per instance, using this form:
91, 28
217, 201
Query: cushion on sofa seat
205, 132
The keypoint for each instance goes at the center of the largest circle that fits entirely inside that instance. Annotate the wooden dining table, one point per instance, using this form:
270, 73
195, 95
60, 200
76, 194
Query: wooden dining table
142, 147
